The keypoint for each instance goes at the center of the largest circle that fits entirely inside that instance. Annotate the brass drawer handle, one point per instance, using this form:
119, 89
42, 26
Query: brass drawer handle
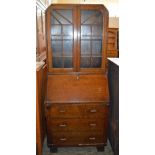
63, 139
93, 110
62, 125
92, 138
92, 124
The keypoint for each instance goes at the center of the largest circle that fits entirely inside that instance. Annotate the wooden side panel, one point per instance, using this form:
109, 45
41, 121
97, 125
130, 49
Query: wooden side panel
40, 115
38, 111
77, 88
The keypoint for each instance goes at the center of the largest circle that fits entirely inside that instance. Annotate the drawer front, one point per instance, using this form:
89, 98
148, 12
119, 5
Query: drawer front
62, 125
78, 138
77, 111
96, 111
64, 111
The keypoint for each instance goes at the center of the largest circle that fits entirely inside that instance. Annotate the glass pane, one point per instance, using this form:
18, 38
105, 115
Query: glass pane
62, 38
97, 30
67, 14
85, 62
68, 62
96, 62
91, 35
96, 48
85, 47
86, 14
54, 21
55, 30
67, 37
96, 37
98, 18
67, 47
85, 32
91, 17
62, 16
56, 48
57, 62
68, 30
57, 37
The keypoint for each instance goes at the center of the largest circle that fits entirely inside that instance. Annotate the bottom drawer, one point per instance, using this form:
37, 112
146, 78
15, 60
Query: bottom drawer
77, 138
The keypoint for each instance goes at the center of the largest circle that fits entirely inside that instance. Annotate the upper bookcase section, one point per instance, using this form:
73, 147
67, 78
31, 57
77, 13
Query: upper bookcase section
76, 38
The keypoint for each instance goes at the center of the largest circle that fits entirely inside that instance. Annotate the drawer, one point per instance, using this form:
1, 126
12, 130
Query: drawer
96, 111
62, 125
77, 138
64, 111
77, 111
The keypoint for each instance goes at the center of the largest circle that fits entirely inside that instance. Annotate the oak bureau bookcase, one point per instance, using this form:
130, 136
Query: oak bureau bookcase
77, 99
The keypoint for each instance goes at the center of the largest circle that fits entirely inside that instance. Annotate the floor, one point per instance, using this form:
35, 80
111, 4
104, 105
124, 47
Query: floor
78, 150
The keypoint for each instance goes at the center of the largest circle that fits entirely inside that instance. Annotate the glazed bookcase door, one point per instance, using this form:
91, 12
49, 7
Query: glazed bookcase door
61, 39
92, 39
76, 38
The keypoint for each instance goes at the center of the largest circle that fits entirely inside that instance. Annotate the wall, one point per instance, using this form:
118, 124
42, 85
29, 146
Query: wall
112, 6
114, 22
54, 1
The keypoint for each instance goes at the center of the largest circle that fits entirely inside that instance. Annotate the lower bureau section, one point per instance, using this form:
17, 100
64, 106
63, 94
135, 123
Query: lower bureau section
77, 139
77, 110
77, 124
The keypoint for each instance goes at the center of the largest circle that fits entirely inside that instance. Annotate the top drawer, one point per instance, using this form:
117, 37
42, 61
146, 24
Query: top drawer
77, 111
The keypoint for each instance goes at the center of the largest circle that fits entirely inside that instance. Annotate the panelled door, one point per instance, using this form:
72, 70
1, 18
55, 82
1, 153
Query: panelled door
61, 38
76, 38
92, 38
